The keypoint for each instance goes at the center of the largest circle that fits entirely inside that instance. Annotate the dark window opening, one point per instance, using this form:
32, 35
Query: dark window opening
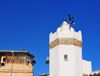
4, 59
65, 57
28, 62
2, 64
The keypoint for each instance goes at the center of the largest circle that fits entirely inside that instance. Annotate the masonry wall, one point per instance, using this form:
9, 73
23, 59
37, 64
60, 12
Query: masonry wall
21, 66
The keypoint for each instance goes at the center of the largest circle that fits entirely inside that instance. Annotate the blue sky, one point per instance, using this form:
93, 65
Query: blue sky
26, 24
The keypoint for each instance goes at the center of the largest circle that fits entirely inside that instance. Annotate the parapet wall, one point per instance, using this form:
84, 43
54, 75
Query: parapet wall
60, 33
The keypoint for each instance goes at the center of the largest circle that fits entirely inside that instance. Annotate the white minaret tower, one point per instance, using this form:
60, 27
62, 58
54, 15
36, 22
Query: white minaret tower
65, 47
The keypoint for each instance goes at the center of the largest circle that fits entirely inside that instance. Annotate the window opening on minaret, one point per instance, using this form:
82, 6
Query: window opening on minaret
65, 58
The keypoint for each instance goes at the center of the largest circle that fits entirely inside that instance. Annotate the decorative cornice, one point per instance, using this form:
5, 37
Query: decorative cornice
63, 41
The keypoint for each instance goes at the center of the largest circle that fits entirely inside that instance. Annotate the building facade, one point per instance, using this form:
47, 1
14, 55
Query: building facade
15, 63
65, 49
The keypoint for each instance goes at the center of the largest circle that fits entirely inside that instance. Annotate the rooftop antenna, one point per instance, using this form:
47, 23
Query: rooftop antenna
70, 18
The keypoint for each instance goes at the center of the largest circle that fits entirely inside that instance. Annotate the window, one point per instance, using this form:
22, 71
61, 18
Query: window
28, 61
4, 59
2, 64
65, 58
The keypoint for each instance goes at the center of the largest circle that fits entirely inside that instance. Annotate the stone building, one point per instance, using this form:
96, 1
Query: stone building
16, 63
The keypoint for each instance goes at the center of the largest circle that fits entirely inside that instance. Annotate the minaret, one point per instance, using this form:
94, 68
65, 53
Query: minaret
65, 47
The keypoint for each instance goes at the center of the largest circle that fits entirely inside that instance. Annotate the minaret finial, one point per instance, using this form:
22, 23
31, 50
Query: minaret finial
70, 18
64, 19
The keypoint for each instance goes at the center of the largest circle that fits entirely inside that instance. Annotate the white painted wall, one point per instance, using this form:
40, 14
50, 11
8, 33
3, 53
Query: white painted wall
78, 61
54, 61
72, 67
67, 67
86, 67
